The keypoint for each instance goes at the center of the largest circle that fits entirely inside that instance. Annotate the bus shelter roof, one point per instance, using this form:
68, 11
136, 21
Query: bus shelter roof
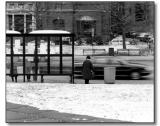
49, 32
12, 32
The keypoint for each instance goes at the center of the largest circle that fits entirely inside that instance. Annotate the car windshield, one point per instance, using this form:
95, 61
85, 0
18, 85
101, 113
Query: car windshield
123, 62
110, 61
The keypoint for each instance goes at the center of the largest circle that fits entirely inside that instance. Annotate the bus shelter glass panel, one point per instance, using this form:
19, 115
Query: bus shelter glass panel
29, 45
8, 65
29, 65
54, 65
42, 65
67, 65
42, 45
66, 45
17, 45
54, 45
17, 65
8, 45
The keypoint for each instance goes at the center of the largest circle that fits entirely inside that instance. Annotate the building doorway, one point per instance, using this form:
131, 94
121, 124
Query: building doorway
85, 26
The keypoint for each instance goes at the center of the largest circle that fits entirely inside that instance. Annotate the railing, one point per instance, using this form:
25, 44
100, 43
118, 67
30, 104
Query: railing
94, 52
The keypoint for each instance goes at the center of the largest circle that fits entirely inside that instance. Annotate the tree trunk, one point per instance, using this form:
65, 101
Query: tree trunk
124, 38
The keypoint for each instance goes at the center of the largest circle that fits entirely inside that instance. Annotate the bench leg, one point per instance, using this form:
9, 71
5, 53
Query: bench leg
42, 80
71, 79
16, 78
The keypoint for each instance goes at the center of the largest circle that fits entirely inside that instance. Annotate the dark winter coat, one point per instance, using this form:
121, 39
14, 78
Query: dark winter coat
14, 72
87, 69
28, 67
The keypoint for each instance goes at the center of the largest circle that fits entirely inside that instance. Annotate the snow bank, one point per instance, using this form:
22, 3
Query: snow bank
126, 102
12, 32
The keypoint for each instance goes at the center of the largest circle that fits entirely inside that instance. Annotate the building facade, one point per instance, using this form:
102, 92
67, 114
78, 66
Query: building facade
84, 19
142, 17
20, 16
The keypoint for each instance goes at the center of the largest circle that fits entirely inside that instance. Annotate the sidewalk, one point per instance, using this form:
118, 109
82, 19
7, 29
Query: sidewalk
24, 113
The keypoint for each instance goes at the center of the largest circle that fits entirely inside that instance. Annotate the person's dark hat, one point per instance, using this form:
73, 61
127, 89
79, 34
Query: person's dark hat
88, 57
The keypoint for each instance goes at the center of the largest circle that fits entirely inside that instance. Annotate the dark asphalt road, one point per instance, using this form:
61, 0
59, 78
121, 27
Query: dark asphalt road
78, 79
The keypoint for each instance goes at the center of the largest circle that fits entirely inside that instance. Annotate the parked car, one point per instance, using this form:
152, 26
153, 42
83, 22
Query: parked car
123, 68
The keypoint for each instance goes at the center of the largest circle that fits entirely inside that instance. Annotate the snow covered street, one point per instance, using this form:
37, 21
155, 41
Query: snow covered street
126, 102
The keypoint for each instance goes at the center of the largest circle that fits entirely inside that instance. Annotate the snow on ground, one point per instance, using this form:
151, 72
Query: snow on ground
78, 50
67, 49
126, 102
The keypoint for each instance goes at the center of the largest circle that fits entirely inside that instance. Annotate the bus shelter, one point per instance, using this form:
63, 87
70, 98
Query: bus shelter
40, 53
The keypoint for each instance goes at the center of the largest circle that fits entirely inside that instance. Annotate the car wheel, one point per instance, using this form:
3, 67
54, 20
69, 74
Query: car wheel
135, 75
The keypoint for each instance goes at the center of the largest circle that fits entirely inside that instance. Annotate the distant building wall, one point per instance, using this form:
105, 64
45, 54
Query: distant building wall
73, 13
82, 18
145, 22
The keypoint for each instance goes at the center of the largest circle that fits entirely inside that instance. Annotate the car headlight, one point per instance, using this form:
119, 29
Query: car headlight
148, 69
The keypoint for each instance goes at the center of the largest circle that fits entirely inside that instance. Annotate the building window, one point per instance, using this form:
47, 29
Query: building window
58, 24
28, 23
30, 6
10, 5
139, 12
58, 6
121, 8
10, 22
19, 23
20, 5
85, 28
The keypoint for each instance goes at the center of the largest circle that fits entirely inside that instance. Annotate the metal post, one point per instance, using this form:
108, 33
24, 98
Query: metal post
61, 64
13, 26
92, 46
11, 56
73, 17
72, 58
36, 59
48, 63
7, 21
33, 22
25, 21
24, 72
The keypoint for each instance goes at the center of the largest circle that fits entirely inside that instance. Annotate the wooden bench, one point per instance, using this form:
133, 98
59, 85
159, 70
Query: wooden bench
54, 72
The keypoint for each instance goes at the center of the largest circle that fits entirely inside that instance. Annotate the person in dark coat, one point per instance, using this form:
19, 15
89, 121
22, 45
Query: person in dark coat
35, 60
87, 70
14, 73
28, 70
